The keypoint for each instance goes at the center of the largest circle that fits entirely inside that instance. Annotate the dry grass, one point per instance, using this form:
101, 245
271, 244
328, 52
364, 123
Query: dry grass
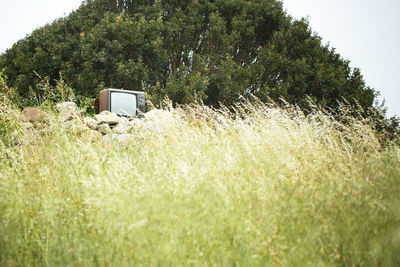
267, 186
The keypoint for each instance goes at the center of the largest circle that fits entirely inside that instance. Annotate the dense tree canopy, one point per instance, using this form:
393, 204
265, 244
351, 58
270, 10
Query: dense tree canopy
214, 50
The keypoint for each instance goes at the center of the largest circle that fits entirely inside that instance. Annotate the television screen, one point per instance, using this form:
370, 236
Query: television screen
122, 103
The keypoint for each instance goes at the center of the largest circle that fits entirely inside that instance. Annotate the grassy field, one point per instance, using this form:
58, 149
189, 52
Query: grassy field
266, 187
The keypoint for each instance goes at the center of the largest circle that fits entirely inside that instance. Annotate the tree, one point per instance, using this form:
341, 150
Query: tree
212, 50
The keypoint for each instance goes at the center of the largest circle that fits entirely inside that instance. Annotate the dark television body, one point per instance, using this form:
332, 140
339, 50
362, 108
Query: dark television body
122, 102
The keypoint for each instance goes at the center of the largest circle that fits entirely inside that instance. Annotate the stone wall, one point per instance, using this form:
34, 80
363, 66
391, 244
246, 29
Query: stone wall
105, 125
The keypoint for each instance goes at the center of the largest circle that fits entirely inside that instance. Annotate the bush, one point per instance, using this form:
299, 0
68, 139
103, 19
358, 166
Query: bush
213, 51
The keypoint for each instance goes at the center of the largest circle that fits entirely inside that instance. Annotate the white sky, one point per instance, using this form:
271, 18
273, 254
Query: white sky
366, 32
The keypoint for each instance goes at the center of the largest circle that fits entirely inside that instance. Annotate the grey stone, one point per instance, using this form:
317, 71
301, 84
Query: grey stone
33, 114
90, 122
104, 129
123, 120
121, 128
80, 129
137, 125
94, 134
76, 126
158, 120
67, 105
107, 138
67, 111
107, 117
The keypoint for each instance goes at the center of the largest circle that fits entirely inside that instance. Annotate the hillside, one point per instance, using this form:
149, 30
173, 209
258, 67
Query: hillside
213, 51
209, 176
264, 186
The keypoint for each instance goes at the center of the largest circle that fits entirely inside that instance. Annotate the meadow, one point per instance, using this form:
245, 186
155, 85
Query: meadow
261, 186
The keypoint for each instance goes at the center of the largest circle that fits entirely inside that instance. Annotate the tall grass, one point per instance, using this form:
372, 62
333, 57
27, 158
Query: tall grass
264, 186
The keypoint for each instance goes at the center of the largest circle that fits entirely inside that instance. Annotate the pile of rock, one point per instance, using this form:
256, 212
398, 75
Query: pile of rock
111, 126
106, 125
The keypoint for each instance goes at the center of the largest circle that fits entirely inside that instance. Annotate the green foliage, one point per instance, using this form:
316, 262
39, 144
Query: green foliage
7, 114
3, 78
45, 94
8, 96
213, 51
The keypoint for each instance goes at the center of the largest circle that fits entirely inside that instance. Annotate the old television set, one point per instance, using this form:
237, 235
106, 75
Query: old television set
122, 102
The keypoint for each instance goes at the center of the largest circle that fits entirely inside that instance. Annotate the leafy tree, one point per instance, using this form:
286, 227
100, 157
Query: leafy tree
211, 50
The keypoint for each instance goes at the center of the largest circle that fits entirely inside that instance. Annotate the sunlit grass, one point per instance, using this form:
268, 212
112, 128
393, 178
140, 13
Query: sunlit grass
268, 186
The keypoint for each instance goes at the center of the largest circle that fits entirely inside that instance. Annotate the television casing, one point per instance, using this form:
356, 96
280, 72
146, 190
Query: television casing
106, 95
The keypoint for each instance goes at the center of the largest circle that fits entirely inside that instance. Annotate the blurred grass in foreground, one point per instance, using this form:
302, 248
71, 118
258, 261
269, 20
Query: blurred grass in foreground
267, 186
